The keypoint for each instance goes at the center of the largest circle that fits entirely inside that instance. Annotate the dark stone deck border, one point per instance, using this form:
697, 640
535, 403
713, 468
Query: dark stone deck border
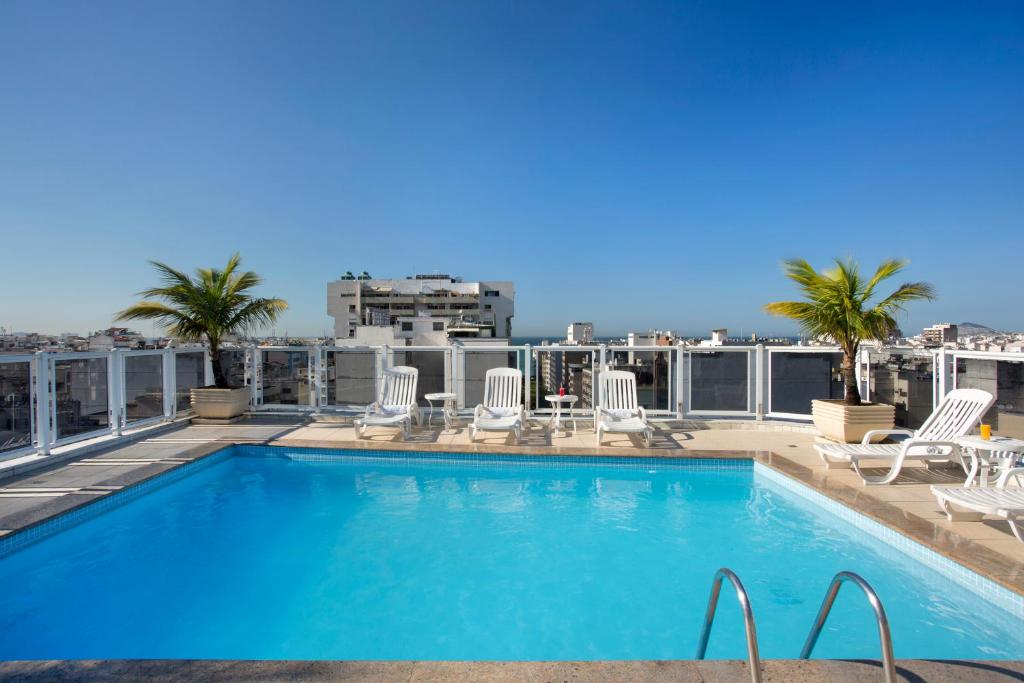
717, 671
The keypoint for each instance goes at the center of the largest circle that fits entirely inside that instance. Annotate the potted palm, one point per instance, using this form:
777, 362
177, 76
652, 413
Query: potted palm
838, 306
208, 307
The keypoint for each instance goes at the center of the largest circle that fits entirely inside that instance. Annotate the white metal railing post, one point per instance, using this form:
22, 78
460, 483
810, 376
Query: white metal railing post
761, 380
458, 374
942, 376
447, 353
680, 379
115, 390
315, 365
207, 367
44, 401
526, 376
863, 370
170, 382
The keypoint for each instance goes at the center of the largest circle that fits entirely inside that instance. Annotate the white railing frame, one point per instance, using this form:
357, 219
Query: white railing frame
769, 351
680, 387
753, 375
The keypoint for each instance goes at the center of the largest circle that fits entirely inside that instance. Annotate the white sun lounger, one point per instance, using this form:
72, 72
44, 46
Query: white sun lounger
396, 406
998, 501
955, 416
502, 409
618, 410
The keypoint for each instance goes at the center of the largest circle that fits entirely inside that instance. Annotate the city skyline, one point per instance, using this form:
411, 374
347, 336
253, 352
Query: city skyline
637, 169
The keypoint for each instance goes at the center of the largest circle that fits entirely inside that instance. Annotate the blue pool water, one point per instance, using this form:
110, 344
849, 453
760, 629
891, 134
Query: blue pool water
262, 556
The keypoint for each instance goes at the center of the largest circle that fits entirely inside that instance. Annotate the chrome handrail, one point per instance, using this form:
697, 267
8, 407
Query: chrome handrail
753, 657
888, 661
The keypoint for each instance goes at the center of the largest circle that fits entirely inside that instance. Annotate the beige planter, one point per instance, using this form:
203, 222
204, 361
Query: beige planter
220, 404
848, 424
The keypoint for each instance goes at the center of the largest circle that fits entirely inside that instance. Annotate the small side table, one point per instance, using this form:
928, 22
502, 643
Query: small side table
557, 401
447, 401
999, 451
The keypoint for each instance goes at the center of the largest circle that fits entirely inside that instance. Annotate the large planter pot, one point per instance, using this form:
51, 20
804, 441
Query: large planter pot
848, 424
220, 404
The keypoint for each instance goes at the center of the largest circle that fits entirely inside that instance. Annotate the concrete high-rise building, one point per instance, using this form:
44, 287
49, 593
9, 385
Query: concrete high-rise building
429, 307
579, 333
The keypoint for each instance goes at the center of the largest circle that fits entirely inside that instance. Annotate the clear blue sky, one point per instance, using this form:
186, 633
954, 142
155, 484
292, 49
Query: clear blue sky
637, 164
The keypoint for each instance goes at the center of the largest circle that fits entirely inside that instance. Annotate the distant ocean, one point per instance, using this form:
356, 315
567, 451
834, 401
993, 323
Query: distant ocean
554, 339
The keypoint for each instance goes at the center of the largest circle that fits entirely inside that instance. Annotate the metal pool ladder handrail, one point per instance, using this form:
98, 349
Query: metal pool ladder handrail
888, 662
753, 658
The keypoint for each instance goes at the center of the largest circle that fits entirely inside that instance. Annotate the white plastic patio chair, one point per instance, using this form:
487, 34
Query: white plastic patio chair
618, 410
955, 416
396, 405
502, 409
998, 501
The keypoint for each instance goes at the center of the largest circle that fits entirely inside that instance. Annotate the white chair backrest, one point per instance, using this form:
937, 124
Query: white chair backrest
399, 387
503, 388
618, 390
956, 414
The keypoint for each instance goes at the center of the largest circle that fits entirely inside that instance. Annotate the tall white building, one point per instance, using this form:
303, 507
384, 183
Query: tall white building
579, 333
423, 307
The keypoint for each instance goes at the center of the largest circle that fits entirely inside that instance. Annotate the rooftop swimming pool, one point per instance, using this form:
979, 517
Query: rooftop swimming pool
272, 553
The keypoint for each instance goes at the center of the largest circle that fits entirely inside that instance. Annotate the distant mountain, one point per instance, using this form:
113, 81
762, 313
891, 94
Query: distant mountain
971, 329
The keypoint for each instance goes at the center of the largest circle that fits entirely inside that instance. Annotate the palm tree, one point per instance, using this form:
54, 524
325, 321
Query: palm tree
837, 306
210, 306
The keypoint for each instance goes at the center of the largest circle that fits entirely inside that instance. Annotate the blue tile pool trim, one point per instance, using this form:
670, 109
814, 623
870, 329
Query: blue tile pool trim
988, 590
495, 459
17, 540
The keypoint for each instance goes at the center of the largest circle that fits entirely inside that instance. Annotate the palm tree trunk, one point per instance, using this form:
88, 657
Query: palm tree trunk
850, 378
220, 380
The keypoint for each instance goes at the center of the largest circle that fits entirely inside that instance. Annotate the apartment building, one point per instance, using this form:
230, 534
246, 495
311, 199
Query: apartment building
943, 333
437, 307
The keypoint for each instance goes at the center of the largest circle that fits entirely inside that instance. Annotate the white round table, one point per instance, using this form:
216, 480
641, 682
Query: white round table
558, 401
447, 401
1001, 452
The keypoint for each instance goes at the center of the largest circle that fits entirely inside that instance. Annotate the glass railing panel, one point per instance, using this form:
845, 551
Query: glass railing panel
572, 369
81, 395
1004, 379
351, 377
233, 365
653, 370
432, 368
476, 363
903, 379
798, 377
143, 386
189, 373
15, 405
286, 379
719, 381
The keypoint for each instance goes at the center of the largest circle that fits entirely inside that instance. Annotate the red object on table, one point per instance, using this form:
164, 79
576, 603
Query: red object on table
561, 391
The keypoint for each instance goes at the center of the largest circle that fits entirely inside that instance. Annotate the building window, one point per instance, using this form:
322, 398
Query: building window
487, 307
406, 327
438, 327
351, 307
491, 292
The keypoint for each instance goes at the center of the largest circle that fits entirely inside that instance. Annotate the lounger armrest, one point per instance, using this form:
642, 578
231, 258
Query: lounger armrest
478, 411
885, 432
927, 443
1004, 478
372, 409
642, 413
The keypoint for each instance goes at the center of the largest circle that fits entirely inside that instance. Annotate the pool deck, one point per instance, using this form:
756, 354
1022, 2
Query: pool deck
29, 498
